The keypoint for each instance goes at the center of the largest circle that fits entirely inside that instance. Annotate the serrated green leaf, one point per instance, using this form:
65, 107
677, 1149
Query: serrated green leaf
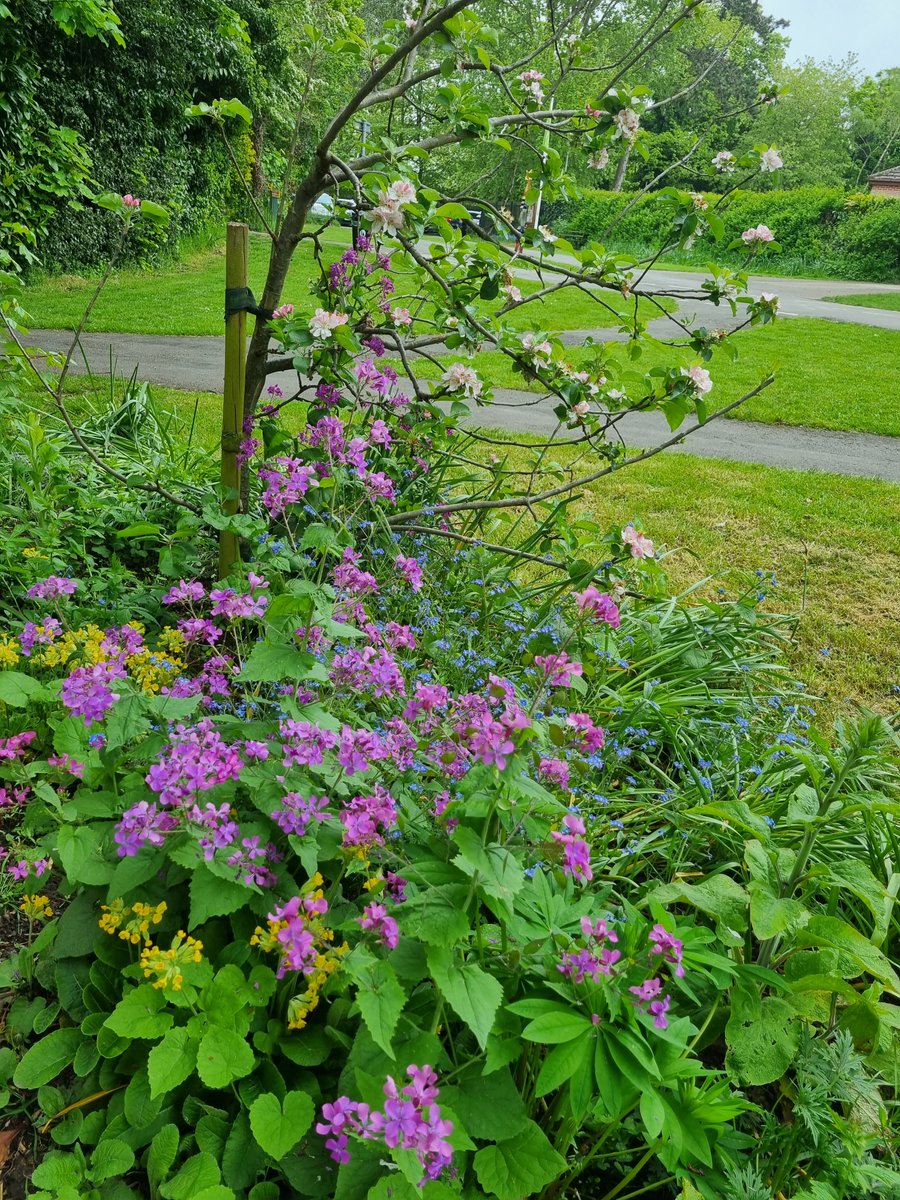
223, 1056
471, 992
171, 1062
520, 1166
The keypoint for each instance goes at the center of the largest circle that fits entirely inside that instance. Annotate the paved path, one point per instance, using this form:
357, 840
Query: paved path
195, 364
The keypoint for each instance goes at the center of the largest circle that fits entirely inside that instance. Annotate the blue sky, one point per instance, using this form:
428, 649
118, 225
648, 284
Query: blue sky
870, 29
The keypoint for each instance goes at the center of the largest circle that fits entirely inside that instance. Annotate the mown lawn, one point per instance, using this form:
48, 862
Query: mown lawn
186, 298
831, 542
888, 300
829, 375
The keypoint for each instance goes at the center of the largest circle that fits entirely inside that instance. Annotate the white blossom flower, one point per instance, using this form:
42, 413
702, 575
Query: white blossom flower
401, 191
627, 124
700, 378
460, 378
387, 216
598, 161
541, 352
323, 324
401, 316
547, 234
724, 162
770, 160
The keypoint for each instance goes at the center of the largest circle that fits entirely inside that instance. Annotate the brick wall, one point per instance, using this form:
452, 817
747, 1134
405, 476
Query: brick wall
887, 188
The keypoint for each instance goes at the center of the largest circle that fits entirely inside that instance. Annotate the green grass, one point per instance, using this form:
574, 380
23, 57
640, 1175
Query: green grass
831, 542
829, 375
187, 298
888, 300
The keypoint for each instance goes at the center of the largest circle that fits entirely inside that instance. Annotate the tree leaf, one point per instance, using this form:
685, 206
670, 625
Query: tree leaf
472, 993
47, 1058
172, 1061
223, 1056
278, 1127
520, 1166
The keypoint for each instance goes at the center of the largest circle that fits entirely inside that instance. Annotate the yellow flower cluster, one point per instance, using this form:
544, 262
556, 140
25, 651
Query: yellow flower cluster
36, 908
31, 552
167, 965
300, 1006
131, 922
9, 651
328, 958
150, 669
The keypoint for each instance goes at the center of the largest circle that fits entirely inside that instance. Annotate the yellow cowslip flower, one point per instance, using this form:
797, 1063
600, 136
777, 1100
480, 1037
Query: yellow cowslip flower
373, 882
31, 552
135, 920
58, 653
167, 965
151, 672
172, 641
9, 651
300, 1006
267, 939
36, 908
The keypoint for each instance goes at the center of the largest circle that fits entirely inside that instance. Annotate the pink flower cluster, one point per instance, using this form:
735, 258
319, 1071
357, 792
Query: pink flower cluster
590, 736
195, 760
639, 545
52, 588
559, 670
576, 851
411, 570
757, 236
298, 950
87, 693
366, 819
599, 605
594, 958
15, 746
410, 1120
298, 812
377, 919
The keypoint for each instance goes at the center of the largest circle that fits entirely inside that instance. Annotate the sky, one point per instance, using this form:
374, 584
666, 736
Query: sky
870, 29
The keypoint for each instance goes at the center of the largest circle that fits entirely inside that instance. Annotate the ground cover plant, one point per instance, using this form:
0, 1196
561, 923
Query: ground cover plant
415, 839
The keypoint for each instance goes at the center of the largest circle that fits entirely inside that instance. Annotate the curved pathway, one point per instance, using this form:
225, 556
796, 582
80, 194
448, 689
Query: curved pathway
195, 364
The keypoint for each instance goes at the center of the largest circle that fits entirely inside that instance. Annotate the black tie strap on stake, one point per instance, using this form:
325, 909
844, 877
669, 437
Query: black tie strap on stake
241, 299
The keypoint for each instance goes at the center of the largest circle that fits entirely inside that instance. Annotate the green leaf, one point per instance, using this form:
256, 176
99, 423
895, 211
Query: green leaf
561, 1064
472, 993
273, 663
555, 1027
47, 1058
770, 915
57, 1171
161, 1155
127, 722
138, 1014
762, 1037
111, 1158
437, 915
857, 878
718, 896
243, 1160
199, 1172
213, 897
489, 1106
18, 690
830, 931
141, 1106
381, 1000
452, 211
81, 856
520, 1166
223, 1056
278, 1127
172, 1061
494, 868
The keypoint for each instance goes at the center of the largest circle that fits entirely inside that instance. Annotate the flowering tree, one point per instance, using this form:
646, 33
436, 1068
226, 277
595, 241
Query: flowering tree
414, 300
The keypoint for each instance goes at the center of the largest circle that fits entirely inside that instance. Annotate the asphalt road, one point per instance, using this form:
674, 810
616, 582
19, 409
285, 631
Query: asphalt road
195, 364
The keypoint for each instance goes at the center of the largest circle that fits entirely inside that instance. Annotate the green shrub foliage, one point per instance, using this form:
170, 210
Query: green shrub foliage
835, 232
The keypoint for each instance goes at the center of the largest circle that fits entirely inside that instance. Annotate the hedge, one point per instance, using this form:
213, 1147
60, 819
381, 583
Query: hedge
850, 236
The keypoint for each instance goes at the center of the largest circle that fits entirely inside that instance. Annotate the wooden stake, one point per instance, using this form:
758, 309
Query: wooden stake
237, 243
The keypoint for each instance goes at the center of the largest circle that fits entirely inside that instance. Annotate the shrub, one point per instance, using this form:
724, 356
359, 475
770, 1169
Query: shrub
850, 236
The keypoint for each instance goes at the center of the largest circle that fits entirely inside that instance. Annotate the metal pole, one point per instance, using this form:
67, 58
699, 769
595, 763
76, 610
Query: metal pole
237, 245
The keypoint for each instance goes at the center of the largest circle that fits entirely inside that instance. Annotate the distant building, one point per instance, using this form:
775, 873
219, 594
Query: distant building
886, 183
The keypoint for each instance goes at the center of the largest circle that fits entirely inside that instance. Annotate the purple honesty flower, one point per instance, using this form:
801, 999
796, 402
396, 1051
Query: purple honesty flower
297, 812
367, 818
86, 692
666, 944
305, 744
411, 570
376, 917
140, 824
195, 760
184, 592
51, 588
